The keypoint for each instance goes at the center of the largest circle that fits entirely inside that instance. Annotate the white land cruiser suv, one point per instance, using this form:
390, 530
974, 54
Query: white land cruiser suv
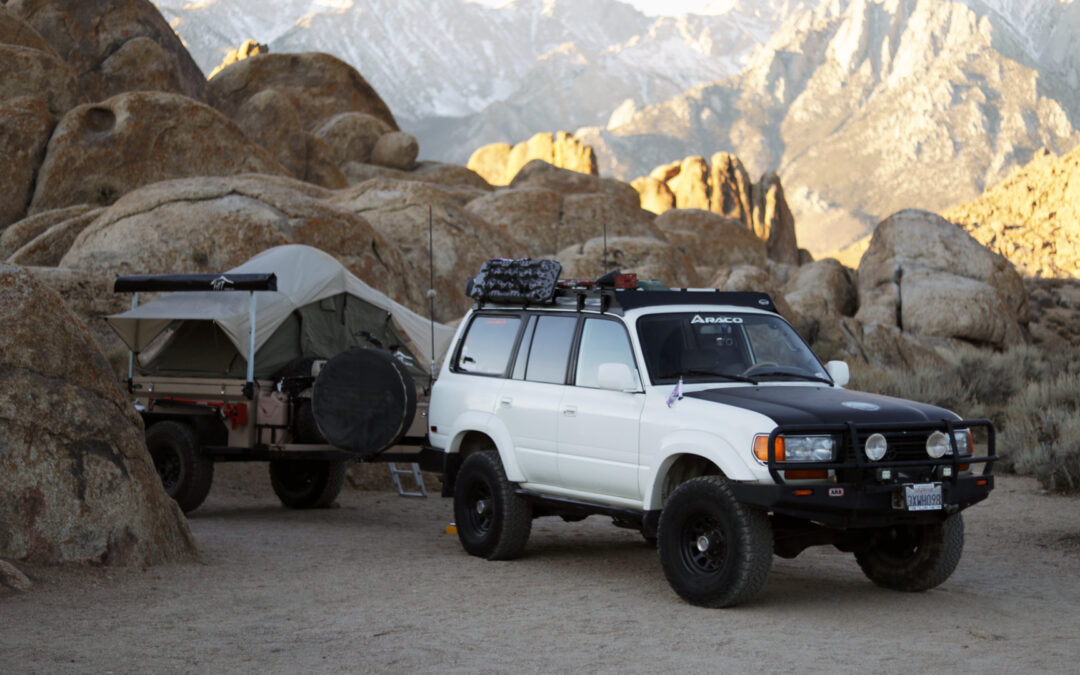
700, 418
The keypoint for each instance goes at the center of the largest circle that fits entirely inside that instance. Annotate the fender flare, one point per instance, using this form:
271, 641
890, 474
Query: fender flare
701, 444
489, 425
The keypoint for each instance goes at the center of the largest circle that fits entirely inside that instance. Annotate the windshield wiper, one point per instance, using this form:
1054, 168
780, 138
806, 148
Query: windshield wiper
798, 376
723, 376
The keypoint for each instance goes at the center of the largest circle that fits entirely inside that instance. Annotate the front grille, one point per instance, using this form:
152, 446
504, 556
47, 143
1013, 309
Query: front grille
902, 445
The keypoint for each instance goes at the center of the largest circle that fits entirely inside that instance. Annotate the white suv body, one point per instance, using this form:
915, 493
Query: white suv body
670, 411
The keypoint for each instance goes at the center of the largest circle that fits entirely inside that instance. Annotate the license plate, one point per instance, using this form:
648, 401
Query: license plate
923, 497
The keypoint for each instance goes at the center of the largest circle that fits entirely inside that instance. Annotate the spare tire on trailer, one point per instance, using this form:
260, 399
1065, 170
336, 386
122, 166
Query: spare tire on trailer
364, 400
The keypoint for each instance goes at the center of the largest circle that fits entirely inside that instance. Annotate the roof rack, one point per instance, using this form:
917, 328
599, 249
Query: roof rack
524, 283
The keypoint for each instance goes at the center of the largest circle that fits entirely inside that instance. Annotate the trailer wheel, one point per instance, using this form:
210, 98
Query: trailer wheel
492, 521
307, 484
914, 558
185, 473
714, 551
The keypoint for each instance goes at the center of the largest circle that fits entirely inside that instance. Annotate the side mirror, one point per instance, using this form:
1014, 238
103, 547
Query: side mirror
838, 371
616, 376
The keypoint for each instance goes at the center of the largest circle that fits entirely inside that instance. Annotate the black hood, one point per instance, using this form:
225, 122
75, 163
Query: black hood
811, 405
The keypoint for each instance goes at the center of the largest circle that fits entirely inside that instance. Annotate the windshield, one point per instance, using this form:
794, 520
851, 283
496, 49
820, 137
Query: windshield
725, 347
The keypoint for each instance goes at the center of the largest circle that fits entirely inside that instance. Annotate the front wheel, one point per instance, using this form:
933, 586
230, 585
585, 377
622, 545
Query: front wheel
492, 521
307, 484
714, 551
914, 557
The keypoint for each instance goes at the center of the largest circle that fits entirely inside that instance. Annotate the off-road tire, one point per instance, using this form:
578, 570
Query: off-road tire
738, 542
492, 521
307, 484
185, 473
914, 558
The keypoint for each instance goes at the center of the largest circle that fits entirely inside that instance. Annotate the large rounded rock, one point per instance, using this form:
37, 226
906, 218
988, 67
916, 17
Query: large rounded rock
213, 224
270, 119
731, 187
822, 289
15, 31
399, 211
647, 257
319, 85
99, 152
49, 247
772, 220
691, 185
539, 173
25, 126
710, 240
585, 216
115, 46
750, 278
353, 135
396, 150
489, 161
924, 275
76, 481
39, 74
26, 230
529, 215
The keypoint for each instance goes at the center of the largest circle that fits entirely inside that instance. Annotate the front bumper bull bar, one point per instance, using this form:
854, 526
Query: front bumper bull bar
856, 496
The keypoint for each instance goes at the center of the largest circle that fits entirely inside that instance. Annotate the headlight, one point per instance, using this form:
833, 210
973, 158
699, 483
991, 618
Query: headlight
937, 445
875, 447
797, 448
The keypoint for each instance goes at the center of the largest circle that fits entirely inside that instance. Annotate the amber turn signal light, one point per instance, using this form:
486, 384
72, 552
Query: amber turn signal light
761, 448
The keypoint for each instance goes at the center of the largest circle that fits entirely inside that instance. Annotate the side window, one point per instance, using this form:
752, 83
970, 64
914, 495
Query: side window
550, 349
488, 344
523, 350
602, 341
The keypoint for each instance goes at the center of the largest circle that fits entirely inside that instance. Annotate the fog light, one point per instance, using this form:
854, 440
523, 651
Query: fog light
884, 474
937, 445
875, 447
946, 471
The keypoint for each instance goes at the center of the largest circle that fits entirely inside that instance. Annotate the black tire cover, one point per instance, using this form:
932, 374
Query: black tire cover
363, 400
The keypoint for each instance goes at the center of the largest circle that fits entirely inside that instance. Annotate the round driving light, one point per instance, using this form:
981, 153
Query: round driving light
937, 445
875, 447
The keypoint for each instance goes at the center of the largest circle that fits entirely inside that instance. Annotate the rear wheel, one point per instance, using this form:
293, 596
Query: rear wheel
492, 521
714, 551
914, 557
185, 473
307, 484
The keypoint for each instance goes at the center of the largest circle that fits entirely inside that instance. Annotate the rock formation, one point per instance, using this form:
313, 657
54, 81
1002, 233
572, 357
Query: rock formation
399, 210
499, 163
1032, 217
114, 46
76, 481
318, 85
32, 68
101, 151
25, 126
710, 240
725, 189
247, 48
647, 257
212, 224
927, 277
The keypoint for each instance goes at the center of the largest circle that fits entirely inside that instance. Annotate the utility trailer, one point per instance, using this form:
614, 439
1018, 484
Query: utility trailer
338, 374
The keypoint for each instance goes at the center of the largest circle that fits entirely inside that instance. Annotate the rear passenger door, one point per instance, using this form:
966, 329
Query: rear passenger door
528, 403
598, 428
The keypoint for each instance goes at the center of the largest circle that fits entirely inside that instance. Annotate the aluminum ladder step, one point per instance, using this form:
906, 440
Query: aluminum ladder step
413, 470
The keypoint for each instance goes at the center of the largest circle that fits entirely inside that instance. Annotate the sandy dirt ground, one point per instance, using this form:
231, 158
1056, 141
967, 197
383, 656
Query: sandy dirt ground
376, 585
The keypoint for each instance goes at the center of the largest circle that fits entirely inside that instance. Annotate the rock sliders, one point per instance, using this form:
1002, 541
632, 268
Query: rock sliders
76, 481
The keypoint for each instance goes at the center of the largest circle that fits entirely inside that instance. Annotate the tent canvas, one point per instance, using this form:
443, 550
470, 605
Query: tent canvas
319, 309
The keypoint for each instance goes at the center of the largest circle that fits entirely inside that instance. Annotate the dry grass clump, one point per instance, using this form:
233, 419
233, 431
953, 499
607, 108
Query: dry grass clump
1032, 397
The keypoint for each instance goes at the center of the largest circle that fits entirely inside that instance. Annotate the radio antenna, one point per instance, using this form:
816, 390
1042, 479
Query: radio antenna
431, 289
603, 262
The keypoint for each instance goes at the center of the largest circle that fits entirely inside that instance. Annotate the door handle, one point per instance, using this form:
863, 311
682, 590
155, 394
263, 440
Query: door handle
570, 411
506, 401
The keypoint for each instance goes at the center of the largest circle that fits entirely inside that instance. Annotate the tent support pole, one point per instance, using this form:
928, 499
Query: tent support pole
131, 352
251, 346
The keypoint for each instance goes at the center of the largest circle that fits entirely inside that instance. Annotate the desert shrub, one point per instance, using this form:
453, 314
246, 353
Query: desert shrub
1032, 397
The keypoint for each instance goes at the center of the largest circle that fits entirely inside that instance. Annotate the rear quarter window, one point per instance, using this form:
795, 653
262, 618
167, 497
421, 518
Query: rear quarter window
487, 345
